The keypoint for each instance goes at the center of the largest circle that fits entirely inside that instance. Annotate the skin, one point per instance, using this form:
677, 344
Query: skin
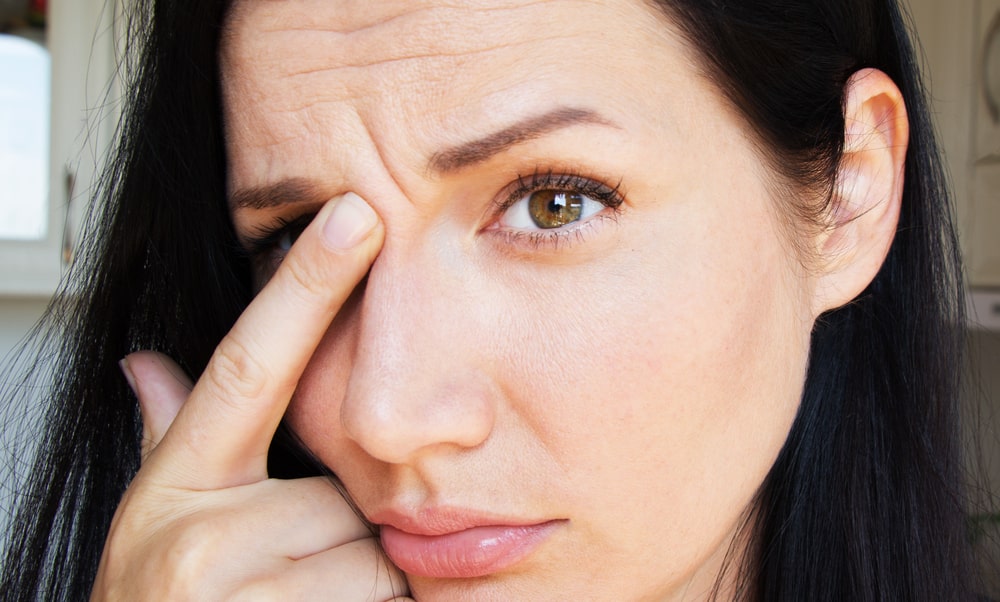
646, 369
631, 376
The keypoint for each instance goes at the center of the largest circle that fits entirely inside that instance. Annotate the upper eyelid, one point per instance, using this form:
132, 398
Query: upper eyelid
611, 196
262, 235
247, 220
280, 222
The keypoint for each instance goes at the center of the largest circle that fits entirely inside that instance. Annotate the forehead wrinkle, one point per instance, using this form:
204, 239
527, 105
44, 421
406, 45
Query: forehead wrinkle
242, 7
421, 76
379, 22
430, 55
424, 33
278, 117
318, 22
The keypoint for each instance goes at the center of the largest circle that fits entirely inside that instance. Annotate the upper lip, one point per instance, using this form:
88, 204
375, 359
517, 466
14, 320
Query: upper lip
441, 520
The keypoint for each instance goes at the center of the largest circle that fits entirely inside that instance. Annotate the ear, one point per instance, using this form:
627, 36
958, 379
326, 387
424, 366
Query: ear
863, 213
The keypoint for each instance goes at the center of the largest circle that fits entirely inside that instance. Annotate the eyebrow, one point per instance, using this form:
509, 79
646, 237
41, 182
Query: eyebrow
477, 151
283, 192
302, 190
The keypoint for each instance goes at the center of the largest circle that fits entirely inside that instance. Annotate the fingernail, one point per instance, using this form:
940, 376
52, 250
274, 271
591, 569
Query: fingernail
179, 375
349, 223
127, 371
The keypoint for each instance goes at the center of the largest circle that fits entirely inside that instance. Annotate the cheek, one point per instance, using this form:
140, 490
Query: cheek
702, 323
666, 373
703, 368
673, 386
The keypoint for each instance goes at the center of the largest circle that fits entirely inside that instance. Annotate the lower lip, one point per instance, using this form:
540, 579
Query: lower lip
469, 553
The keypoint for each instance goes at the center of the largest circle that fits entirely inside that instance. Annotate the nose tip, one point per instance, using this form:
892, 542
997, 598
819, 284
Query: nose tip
398, 422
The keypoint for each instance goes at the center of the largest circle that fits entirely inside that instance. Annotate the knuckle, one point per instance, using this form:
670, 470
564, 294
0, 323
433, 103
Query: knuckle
305, 281
234, 373
175, 560
192, 551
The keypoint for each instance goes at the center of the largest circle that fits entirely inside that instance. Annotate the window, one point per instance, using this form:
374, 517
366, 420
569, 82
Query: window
73, 131
24, 138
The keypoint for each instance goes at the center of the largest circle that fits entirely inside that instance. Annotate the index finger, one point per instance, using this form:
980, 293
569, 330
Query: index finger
221, 436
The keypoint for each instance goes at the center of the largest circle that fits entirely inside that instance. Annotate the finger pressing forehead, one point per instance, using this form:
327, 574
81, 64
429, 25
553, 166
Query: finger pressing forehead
222, 434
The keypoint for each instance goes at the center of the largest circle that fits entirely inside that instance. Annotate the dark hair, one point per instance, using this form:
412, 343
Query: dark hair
865, 500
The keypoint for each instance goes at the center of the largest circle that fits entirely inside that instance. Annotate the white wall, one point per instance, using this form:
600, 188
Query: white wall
16, 317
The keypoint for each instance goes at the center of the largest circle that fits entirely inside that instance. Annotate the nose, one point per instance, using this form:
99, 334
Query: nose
420, 381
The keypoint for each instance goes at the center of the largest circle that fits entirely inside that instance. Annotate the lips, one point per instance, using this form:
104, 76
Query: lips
470, 547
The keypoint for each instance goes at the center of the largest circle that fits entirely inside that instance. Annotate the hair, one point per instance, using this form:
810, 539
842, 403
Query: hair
865, 501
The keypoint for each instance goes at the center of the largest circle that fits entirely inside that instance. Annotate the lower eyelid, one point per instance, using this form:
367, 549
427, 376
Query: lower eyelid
520, 240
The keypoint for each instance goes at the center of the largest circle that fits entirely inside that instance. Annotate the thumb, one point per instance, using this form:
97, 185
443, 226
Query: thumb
162, 388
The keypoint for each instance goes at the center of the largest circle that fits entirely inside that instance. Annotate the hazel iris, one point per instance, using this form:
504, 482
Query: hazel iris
555, 208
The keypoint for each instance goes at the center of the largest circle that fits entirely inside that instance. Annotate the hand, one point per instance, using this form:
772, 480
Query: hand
202, 520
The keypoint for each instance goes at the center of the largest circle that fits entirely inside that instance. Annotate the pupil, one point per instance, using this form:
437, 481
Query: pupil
554, 208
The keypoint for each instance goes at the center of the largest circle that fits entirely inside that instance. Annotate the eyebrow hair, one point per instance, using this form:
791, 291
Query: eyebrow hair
283, 192
478, 151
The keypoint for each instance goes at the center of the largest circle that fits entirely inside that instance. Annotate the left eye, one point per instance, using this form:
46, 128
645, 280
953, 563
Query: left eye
270, 243
550, 209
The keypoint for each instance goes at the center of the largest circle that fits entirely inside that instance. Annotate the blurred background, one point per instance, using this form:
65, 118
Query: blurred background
59, 104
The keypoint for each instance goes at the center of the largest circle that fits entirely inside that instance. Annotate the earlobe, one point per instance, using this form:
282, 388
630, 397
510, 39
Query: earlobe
864, 210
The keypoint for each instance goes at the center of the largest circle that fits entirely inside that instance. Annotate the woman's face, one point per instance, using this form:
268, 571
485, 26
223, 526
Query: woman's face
584, 340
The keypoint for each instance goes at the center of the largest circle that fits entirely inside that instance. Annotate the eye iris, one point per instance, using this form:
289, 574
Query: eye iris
554, 208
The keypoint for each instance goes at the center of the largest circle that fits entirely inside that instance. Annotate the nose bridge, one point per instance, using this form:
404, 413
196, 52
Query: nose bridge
407, 310
416, 382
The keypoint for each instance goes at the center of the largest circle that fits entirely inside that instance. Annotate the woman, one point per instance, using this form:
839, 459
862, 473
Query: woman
587, 300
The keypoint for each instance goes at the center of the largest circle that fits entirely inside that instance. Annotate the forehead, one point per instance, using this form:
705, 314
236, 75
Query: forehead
422, 40
419, 74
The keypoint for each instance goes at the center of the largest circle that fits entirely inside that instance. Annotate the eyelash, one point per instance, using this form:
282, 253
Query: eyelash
610, 197
266, 238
